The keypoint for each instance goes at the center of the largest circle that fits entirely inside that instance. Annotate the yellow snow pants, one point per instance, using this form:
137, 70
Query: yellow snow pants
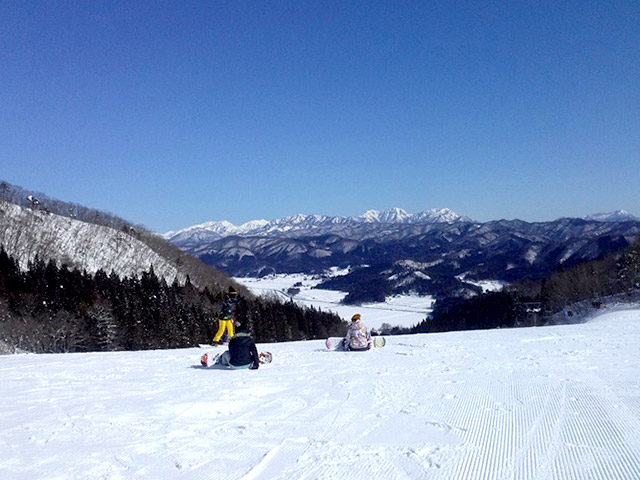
222, 326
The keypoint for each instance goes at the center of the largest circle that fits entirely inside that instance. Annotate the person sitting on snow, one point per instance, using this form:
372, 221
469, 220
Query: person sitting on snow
242, 351
358, 338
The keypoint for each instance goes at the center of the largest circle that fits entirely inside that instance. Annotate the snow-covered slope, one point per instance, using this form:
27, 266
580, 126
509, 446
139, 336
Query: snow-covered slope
25, 233
617, 216
540, 403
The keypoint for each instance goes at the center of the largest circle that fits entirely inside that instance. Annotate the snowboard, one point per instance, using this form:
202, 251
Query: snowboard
332, 342
264, 357
209, 345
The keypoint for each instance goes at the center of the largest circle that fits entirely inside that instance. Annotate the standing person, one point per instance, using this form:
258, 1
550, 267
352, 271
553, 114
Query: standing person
242, 351
358, 338
227, 315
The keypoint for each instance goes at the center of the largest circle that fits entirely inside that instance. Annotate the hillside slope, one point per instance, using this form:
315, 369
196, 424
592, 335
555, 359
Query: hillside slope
128, 251
558, 402
26, 233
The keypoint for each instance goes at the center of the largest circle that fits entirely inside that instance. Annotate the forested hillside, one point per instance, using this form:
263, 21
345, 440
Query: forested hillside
76, 279
562, 297
51, 308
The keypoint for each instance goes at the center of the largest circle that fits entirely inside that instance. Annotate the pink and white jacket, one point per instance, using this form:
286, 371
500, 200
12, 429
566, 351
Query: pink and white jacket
358, 338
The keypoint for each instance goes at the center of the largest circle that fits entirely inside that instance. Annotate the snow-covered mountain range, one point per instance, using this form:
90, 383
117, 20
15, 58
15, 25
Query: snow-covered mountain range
426, 253
300, 224
372, 220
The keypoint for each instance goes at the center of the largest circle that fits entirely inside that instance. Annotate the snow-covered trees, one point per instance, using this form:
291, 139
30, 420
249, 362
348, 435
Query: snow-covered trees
51, 308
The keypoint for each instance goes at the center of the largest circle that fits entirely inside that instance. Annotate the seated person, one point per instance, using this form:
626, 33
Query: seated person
242, 351
358, 338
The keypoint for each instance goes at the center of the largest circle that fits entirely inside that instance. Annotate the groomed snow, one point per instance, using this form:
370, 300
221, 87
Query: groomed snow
557, 402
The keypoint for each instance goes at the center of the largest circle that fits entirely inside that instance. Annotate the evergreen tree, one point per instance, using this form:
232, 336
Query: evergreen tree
50, 308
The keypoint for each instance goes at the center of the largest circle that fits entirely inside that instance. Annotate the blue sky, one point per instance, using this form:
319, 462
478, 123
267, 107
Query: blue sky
174, 113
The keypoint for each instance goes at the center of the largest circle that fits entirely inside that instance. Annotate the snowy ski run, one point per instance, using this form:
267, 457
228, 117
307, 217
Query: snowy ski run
559, 402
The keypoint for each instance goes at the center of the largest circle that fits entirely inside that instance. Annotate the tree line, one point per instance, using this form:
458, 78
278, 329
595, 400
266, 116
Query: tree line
42, 202
50, 308
585, 286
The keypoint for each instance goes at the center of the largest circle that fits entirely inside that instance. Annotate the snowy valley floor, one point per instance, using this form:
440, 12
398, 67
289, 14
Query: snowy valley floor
557, 402
399, 310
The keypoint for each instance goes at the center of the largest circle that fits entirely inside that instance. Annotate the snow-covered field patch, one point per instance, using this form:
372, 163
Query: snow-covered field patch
401, 310
485, 285
559, 402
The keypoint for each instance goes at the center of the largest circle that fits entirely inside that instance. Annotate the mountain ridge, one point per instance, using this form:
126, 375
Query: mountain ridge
319, 223
615, 216
377, 251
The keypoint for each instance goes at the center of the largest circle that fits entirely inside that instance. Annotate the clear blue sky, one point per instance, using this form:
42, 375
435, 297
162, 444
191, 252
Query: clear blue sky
174, 113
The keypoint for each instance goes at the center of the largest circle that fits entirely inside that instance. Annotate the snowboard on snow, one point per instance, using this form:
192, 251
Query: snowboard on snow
333, 342
264, 357
210, 345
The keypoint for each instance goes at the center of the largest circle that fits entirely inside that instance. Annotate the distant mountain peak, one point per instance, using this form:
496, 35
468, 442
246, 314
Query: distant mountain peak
252, 224
391, 215
442, 215
615, 216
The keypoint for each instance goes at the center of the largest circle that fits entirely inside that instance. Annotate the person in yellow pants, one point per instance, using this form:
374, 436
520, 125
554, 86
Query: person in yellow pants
227, 316
222, 326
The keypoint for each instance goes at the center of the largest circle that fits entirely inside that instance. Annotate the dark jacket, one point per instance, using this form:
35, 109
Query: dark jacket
228, 311
243, 351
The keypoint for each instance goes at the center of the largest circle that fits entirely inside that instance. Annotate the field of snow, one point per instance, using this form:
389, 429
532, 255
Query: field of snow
401, 310
559, 402
485, 285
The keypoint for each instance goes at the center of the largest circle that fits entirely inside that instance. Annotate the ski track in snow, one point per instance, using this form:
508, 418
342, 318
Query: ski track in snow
557, 402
